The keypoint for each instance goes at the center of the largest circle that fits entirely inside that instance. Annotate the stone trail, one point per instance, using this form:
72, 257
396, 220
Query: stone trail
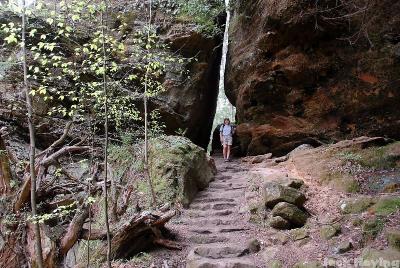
217, 227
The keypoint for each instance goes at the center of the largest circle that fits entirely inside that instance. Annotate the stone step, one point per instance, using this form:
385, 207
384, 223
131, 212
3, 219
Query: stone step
215, 230
211, 200
218, 206
208, 222
220, 256
203, 214
207, 239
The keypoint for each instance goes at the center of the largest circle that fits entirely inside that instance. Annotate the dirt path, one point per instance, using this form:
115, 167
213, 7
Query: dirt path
215, 227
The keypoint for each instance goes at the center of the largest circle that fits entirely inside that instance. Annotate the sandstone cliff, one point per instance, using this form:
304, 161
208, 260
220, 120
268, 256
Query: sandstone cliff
313, 71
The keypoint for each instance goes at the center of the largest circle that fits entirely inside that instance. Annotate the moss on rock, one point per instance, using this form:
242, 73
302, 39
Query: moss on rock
178, 169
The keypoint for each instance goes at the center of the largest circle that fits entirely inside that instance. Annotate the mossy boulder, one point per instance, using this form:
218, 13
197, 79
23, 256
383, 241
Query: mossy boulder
274, 193
372, 227
278, 222
178, 168
357, 204
386, 205
291, 213
299, 234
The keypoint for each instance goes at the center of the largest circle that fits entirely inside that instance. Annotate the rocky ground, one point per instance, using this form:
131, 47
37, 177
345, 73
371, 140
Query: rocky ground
316, 222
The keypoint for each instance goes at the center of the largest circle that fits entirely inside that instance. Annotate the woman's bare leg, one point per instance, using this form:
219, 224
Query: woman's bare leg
228, 151
225, 150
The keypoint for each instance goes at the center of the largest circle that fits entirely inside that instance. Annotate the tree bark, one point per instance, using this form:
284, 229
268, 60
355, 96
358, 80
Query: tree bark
146, 140
74, 230
38, 246
5, 171
138, 234
106, 137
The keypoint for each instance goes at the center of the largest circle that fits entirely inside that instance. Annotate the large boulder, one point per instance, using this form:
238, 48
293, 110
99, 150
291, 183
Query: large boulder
178, 168
291, 213
274, 193
295, 79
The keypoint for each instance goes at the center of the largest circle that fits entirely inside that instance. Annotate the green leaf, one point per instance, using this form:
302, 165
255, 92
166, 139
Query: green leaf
11, 39
32, 32
75, 17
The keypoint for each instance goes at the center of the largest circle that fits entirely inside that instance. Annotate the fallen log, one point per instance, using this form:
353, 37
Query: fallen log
141, 232
74, 230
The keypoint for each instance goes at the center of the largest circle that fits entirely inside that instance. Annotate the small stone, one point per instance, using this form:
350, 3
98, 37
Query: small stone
299, 234
278, 222
344, 247
261, 158
253, 246
393, 236
357, 222
292, 182
280, 238
329, 231
291, 213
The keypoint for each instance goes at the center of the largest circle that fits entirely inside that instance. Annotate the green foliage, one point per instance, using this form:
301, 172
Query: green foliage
371, 228
387, 206
66, 64
156, 125
350, 156
203, 13
373, 157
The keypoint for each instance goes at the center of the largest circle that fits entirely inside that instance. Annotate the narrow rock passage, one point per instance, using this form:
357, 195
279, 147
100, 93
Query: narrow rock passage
216, 226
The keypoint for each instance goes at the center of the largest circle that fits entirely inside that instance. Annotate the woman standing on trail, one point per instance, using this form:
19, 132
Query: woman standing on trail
226, 132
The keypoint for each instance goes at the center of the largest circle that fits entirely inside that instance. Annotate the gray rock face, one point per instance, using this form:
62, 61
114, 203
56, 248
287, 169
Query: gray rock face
290, 213
274, 193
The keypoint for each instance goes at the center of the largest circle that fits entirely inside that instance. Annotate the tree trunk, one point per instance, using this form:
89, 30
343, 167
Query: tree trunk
38, 246
106, 137
5, 171
146, 138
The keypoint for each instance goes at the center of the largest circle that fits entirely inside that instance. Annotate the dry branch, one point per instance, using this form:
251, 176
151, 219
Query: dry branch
74, 230
41, 168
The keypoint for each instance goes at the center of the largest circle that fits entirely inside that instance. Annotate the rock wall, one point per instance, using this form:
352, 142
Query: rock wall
311, 72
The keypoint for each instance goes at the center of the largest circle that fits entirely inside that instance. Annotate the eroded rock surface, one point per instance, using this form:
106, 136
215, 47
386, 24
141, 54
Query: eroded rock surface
295, 79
